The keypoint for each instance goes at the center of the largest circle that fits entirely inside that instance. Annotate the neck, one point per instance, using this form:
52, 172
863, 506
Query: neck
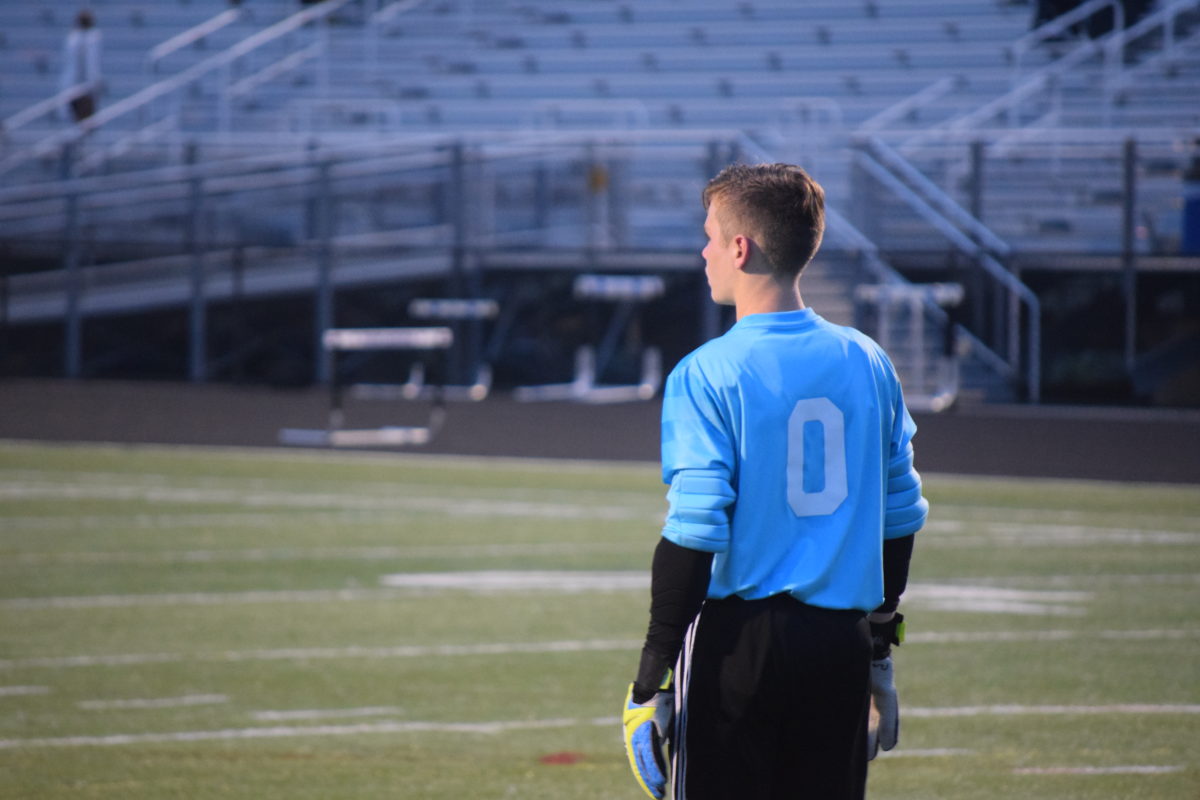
768, 298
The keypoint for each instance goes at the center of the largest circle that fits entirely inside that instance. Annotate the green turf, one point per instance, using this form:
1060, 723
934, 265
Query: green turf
235, 598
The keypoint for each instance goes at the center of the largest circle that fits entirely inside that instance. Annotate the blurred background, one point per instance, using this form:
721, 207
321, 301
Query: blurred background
195, 193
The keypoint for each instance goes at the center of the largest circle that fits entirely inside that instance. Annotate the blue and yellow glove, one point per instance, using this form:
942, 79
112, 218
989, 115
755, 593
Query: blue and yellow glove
647, 727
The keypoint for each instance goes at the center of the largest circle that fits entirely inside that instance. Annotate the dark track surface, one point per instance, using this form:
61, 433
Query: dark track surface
1047, 441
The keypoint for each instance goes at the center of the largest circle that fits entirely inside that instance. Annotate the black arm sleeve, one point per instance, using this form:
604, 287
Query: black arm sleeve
897, 553
678, 585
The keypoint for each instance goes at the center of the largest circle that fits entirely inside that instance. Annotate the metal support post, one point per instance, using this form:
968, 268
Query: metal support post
541, 196
324, 298
975, 184
595, 203
1128, 254
618, 201
197, 312
73, 338
457, 199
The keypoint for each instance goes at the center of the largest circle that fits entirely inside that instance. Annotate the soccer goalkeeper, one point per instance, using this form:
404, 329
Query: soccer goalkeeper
793, 507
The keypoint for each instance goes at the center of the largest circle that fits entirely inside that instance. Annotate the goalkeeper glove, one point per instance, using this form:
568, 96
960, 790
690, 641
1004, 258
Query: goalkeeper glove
647, 727
883, 729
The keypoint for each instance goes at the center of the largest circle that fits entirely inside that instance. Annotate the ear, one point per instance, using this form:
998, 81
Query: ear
742, 247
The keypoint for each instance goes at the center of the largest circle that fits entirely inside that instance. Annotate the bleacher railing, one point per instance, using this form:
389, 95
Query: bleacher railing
1013, 344
191, 36
51, 105
1041, 89
577, 211
1061, 27
1165, 22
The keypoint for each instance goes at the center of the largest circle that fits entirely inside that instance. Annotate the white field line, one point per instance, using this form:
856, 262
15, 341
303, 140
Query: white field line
520, 648
947, 597
198, 599
23, 691
995, 600
367, 510
291, 501
1048, 710
960, 533
963, 598
464, 551
292, 456
277, 732
359, 487
208, 486
154, 702
1063, 516
1131, 769
318, 653
363, 553
636, 581
188, 521
496, 727
490, 464
1091, 581
930, 752
985, 637
326, 713
490, 581
970, 524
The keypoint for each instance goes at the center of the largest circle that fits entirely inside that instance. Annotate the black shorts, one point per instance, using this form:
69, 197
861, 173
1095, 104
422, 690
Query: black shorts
772, 702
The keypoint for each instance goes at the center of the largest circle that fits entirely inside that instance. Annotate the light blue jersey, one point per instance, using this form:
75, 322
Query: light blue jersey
786, 445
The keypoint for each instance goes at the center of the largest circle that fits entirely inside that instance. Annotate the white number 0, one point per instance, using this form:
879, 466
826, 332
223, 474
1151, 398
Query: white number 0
816, 487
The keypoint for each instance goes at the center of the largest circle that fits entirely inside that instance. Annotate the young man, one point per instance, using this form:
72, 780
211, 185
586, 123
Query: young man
793, 504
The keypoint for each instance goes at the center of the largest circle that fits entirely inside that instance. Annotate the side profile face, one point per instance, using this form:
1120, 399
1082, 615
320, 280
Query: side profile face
719, 255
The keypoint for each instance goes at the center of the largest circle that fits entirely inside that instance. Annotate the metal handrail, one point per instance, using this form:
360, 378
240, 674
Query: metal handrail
272, 71
1128, 75
273, 170
1018, 292
1168, 14
934, 91
163, 127
1060, 25
174, 183
44, 107
191, 36
1111, 48
933, 194
1167, 17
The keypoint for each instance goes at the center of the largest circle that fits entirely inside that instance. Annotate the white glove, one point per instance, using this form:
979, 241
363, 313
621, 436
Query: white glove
883, 728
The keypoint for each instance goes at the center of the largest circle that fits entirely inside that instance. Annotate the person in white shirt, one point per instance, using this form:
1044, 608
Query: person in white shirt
81, 66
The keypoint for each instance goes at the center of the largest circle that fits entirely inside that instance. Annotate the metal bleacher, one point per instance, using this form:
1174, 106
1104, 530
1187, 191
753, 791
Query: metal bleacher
435, 127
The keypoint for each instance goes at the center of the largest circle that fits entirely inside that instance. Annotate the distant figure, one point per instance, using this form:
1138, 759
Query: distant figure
81, 64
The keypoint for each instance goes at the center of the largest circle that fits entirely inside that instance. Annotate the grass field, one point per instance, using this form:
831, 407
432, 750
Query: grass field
187, 623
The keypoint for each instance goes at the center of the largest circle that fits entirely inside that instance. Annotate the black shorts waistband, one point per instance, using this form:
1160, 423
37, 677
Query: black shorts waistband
787, 599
